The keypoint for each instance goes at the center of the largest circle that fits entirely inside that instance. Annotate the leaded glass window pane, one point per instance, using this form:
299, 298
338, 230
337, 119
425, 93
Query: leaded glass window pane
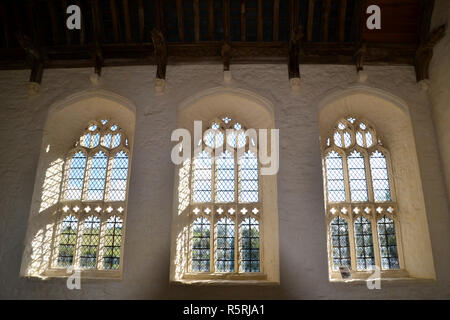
357, 177
364, 244
118, 180
90, 241
248, 178
201, 232
380, 177
67, 241
225, 177
74, 186
388, 244
250, 245
335, 177
202, 177
97, 176
225, 245
112, 243
340, 243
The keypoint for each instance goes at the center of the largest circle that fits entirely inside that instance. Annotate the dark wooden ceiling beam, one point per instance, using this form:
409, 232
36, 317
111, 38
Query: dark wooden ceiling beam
141, 17
97, 54
293, 17
126, 17
196, 20
83, 23
226, 18
260, 21
54, 21
325, 19
160, 50
115, 20
160, 17
310, 20
180, 20
211, 20
424, 53
341, 20
243, 21
276, 17
68, 33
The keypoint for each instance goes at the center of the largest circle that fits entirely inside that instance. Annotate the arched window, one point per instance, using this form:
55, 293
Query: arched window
359, 198
93, 198
225, 202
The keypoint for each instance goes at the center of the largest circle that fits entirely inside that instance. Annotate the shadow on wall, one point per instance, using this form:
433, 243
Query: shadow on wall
66, 120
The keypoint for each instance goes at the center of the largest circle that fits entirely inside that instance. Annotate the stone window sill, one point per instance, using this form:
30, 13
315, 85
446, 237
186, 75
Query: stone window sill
84, 274
224, 279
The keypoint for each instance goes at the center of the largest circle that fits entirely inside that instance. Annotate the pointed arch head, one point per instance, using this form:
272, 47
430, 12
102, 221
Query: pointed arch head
253, 110
70, 115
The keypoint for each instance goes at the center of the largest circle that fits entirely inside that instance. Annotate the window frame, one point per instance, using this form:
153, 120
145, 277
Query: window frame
347, 209
214, 216
82, 208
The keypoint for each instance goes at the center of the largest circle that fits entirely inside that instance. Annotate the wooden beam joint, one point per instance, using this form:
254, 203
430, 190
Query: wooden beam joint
160, 49
424, 53
294, 53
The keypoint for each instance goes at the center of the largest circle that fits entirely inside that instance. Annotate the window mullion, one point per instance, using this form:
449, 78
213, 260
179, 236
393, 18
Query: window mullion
369, 177
376, 244
346, 178
351, 236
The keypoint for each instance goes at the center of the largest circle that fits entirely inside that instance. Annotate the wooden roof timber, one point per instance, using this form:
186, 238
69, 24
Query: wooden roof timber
333, 32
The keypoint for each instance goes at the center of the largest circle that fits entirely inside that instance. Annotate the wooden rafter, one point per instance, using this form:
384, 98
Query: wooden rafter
243, 21
310, 20
276, 16
341, 21
180, 20
326, 18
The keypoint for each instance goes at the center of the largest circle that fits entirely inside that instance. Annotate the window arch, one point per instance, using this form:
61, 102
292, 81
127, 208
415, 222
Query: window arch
225, 203
361, 208
93, 200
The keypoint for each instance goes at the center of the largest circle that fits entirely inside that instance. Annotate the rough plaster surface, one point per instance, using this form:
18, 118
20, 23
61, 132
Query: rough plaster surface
440, 84
303, 256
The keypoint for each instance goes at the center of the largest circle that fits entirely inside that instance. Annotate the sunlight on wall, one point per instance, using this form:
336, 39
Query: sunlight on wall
183, 186
41, 250
51, 185
182, 248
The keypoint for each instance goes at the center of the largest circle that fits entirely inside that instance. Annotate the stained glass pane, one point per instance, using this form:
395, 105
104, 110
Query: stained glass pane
89, 244
248, 178
357, 177
113, 241
67, 241
225, 245
364, 245
250, 245
97, 176
380, 177
74, 186
119, 173
202, 177
335, 177
200, 245
388, 244
225, 177
340, 243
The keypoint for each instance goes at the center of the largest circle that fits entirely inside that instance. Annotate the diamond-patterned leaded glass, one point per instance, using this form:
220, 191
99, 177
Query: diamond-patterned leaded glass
97, 176
225, 245
388, 244
340, 243
248, 178
225, 177
335, 177
112, 243
67, 241
380, 177
118, 179
89, 243
202, 177
250, 245
357, 177
201, 232
74, 186
364, 244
